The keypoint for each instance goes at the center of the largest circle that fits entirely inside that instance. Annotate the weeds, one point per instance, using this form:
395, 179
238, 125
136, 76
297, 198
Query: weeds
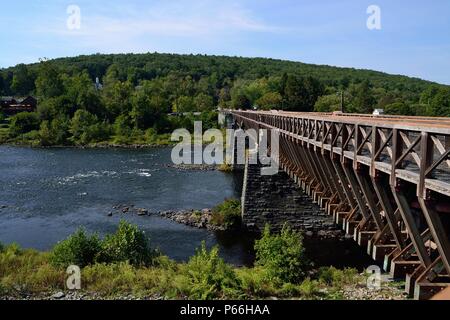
131, 267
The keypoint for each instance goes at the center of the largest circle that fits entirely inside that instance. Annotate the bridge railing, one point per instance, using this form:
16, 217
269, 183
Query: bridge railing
416, 149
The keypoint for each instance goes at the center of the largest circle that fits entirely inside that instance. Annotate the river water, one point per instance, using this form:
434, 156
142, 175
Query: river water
46, 194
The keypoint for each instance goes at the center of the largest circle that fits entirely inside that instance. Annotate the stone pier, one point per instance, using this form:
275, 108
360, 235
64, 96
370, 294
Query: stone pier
277, 200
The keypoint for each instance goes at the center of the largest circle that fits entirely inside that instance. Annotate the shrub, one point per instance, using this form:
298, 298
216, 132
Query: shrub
54, 132
291, 290
2, 247
209, 277
336, 277
110, 279
309, 288
24, 122
254, 282
225, 167
227, 214
127, 244
85, 128
26, 271
78, 249
282, 255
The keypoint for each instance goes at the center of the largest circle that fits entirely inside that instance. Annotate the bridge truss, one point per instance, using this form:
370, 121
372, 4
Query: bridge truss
384, 179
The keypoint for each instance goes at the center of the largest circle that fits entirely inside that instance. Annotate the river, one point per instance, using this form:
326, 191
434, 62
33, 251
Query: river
46, 194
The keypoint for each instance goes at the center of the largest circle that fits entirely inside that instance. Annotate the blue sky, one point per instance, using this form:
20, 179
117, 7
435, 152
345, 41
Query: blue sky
414, 38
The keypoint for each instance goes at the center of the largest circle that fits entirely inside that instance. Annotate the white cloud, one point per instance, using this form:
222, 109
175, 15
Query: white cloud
126, 26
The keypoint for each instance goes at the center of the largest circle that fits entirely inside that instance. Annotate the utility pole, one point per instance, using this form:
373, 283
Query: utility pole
341, 94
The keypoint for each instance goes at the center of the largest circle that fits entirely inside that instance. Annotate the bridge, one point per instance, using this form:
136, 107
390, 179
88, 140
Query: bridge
384, 179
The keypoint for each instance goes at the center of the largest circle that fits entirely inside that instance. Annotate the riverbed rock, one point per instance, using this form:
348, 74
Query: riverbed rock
193, 167
142, 212
58, 295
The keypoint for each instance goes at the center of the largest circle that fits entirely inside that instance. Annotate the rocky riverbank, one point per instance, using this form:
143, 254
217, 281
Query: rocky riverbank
76, 296
361, 292
200, 219
194, 167
350, 292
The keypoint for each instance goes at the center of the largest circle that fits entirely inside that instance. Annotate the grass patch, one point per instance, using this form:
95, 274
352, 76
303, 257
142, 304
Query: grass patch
128, 270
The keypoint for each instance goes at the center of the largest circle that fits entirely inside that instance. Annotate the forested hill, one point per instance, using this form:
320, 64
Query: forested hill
149, 66
137, 92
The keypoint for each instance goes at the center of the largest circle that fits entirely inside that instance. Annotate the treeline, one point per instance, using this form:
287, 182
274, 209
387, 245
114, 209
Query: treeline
139, 90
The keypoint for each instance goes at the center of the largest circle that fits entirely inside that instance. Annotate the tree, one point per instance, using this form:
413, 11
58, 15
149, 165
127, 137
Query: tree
51, 108
55, 132
256, 89
85, 128
440, 103
328, 103
184, 104
48, 82
271, 100
364, 100
203, 102
45, 135
2, 85
122, 126
117, 98
398, 108
300, 94
23, 81
146, 109
242, 102
80, 90
224, 97
111, 76
23, 122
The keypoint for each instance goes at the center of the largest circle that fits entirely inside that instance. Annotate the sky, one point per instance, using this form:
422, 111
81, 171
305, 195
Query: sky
412, 36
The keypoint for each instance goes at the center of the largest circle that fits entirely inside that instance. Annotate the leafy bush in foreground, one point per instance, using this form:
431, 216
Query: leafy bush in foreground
282, 255
127, 244
78, 249
209, 276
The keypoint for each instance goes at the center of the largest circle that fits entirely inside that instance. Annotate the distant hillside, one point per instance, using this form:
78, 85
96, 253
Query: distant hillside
152, 65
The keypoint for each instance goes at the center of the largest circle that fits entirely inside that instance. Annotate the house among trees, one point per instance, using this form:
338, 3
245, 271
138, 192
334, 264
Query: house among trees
11, 106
